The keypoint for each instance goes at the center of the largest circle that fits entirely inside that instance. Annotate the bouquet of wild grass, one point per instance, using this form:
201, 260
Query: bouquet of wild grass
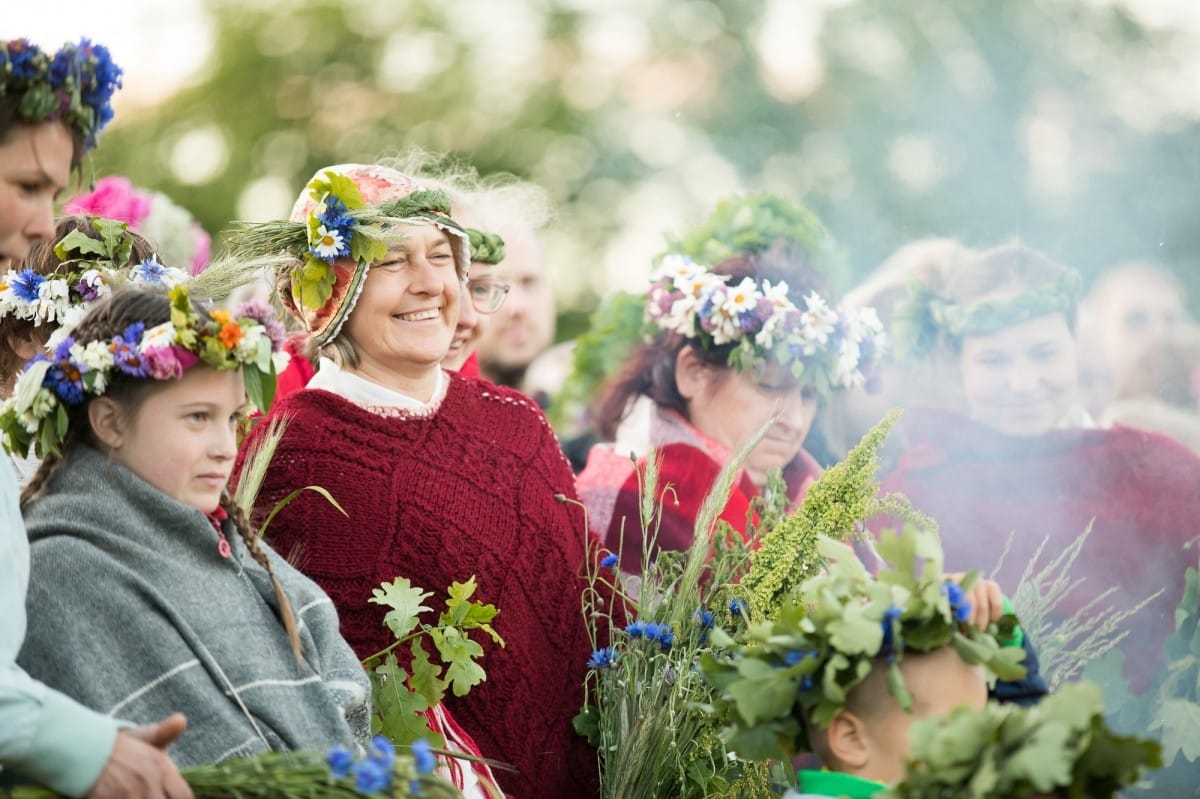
648, 708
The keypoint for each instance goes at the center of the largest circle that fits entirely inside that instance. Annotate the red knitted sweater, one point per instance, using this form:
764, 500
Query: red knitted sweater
1142, 490
468, 490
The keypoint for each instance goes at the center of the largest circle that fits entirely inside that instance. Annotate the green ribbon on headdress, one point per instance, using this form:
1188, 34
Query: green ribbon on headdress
486, 248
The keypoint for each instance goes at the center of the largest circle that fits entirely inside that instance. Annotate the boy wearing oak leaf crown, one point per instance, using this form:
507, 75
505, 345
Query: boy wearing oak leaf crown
856, 660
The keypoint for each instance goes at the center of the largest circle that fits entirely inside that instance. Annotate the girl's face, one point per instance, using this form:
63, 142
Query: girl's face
1022, 380
35, 165
408, 310
731, 408
182, 439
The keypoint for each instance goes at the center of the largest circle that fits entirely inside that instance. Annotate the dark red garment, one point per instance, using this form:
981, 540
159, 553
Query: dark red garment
1142, 489
470, 367
468, 490
299, 369
690, 463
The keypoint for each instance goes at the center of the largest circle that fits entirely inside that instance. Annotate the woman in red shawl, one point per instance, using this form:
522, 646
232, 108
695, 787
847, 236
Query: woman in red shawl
734, 348
1023, 466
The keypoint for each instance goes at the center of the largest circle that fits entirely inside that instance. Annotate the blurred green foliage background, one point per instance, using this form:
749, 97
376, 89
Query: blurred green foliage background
1069, 123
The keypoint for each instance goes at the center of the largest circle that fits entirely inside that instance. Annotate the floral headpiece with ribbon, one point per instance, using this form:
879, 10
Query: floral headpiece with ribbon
248, 338
824, 346
179, 238
344, 221
75, 85
926, 317
88, 271
843, 623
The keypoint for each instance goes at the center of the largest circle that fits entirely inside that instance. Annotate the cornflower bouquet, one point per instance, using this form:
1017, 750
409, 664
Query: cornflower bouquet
648, 707
337, 774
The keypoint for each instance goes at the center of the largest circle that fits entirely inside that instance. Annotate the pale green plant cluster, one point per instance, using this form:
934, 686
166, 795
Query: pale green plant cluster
1060, 747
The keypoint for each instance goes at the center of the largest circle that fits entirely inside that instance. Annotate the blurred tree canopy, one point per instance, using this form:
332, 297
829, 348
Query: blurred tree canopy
1068, 123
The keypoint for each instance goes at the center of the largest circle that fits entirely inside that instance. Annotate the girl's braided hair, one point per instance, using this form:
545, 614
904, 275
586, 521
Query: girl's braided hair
106, 319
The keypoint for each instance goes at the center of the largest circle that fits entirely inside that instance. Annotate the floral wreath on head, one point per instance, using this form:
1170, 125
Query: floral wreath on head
925, 318
75, 85
249, 338
843, 622
89, 269
829, 348
341, 225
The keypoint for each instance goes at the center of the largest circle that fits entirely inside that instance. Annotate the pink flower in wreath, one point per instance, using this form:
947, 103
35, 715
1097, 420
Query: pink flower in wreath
114, 198
167, 363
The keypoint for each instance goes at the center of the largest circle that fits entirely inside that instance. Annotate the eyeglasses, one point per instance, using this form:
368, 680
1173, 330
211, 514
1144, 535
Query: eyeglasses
487, 293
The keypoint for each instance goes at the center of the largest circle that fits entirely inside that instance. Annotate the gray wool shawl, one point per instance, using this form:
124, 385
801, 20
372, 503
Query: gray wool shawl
133, 612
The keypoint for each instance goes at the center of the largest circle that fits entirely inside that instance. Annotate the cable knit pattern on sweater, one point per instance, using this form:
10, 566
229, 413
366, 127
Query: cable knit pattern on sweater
468, 490
133, 612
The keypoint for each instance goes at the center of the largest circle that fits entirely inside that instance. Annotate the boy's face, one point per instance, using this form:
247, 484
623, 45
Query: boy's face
939, 682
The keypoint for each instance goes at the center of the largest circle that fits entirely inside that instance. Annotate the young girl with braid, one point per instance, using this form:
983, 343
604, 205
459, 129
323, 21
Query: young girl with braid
149, 591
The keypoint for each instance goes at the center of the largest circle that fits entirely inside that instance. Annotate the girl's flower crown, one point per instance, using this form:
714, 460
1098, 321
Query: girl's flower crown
249, 339
804, 664
174, 231
926, 318
74, 85
826, 347
91, 267
338, 224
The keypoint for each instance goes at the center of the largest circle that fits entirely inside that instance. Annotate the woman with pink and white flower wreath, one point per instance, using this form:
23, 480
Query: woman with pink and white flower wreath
735, 347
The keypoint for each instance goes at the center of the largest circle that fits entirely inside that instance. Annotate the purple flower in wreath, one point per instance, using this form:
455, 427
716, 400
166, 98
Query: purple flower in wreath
126, 353
65, 377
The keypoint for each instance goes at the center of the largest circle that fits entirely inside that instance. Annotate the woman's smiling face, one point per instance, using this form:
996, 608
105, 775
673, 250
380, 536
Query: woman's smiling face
1022, 380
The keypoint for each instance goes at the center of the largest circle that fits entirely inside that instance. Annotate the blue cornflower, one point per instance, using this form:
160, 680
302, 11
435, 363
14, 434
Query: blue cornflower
603, 659
666, 637
27, 284
890, 616
339, 760
608, 561
806, 683
423, 755
66, 380
796, 655
371, 777
24, 63
382, 752
962, 612
737, 607
636, 629
705, 618
150, 271
959, 606
953, 592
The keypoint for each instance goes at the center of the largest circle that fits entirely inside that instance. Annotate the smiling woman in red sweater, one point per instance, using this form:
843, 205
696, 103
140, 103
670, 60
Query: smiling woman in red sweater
442, 477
